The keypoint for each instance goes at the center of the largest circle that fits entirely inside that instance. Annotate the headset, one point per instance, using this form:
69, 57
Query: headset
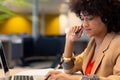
105, 20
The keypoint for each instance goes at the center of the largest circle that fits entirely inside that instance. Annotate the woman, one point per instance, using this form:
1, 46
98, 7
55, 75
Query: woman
101, 59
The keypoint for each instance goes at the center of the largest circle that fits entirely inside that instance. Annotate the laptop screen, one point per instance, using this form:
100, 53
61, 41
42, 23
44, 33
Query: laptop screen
3, 59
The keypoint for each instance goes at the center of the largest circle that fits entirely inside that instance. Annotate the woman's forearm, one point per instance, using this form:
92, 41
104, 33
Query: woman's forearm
68, 49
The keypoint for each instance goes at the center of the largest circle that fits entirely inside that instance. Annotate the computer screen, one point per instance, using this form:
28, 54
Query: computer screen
3, 59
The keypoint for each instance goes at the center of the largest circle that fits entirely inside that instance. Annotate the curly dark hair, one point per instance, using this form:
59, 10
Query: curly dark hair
109, 9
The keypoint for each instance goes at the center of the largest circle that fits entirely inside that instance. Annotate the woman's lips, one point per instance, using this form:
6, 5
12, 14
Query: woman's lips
87, 30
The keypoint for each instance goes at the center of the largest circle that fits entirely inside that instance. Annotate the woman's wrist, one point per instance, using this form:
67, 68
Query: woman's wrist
66, 59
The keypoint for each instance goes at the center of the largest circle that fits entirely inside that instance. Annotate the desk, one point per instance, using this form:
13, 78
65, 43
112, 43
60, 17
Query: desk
13, 71
39, 74
27, 71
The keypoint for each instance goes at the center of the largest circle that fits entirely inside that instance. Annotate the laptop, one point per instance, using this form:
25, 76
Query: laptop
37, 74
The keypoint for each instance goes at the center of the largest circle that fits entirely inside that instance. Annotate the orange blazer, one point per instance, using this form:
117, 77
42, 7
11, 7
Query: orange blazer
107, 63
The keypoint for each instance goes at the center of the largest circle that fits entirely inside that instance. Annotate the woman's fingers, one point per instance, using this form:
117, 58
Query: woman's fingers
52, 77
51, 74
58, 76
80, 33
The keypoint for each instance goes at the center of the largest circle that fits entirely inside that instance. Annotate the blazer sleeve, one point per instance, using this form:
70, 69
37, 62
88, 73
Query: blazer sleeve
75, 64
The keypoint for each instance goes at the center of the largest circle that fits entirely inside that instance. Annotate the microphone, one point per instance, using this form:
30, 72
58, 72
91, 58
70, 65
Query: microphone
79, 30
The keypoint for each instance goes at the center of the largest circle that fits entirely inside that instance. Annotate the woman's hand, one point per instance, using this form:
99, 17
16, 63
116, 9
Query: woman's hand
74, 33
58, 75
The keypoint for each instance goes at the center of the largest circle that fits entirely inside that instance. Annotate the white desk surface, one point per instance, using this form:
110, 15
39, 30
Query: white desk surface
38, 74
26, 71
13, 71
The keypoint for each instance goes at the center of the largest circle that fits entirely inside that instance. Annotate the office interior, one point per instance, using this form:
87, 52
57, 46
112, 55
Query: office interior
34, 31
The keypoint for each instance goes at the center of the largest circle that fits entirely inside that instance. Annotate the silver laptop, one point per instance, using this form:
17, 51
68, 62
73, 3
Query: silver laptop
14, 77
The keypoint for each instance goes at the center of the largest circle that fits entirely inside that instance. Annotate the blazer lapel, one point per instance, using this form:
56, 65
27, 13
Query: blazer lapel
89, 54
97, 62
104, 46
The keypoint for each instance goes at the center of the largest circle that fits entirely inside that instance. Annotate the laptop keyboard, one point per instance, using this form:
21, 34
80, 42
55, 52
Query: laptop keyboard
21, 77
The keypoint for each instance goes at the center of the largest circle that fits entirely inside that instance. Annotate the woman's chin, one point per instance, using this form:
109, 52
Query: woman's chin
89, 35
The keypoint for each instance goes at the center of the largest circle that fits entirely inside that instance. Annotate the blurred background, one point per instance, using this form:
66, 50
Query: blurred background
34, 31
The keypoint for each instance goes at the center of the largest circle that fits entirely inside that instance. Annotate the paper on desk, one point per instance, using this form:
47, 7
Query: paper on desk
35, 72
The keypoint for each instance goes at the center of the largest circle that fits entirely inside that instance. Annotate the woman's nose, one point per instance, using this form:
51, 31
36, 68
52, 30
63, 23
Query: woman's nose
85, 24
